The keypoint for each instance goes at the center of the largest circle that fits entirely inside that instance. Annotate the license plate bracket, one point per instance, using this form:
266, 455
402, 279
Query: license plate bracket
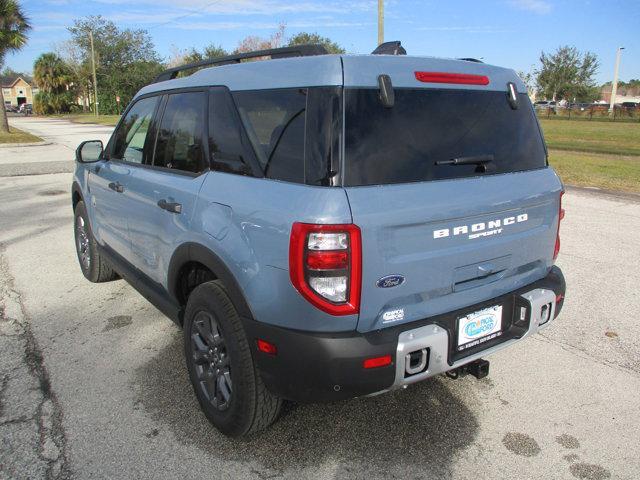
476, 328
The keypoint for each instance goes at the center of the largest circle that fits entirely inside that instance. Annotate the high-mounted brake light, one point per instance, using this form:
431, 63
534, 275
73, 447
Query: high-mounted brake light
325, 266
455, 78
556, 250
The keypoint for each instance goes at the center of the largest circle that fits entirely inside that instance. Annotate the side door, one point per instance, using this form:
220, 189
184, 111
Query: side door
162, 195
108, 180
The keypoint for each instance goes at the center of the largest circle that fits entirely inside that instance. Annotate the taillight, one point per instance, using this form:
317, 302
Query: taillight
556, 250
325, 265
454, 78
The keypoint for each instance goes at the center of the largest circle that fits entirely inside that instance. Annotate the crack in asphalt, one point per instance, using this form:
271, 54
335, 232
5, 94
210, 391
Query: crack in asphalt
583, 353
52, 445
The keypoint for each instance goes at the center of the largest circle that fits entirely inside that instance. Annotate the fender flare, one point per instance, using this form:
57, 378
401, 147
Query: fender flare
75, 189
195, 252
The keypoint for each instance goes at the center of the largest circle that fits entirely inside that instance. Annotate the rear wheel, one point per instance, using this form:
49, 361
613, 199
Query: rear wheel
226, 382
94, 267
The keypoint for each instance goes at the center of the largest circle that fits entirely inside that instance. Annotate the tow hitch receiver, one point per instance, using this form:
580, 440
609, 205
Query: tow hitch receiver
478, 368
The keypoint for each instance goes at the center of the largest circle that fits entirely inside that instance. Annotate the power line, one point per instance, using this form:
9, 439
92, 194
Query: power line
192, 12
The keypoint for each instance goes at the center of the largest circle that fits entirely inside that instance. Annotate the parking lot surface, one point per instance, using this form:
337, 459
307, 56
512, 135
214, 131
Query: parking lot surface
93, 382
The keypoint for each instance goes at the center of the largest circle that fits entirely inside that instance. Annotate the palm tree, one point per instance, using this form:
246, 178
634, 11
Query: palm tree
13, 35
50, 73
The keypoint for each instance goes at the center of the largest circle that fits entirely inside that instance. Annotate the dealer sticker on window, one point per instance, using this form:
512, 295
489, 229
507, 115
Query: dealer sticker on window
479, 327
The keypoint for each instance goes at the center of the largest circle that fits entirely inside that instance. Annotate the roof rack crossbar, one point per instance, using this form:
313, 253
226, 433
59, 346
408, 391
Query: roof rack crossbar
284, 52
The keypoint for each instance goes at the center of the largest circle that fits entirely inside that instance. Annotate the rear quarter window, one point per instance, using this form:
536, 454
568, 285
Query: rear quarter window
403, 143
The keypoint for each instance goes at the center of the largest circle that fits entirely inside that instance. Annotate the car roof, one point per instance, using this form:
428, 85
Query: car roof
339, 70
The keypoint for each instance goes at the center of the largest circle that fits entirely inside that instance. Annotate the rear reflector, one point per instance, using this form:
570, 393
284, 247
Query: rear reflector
376, 362
267, 347
455, 78
556, 249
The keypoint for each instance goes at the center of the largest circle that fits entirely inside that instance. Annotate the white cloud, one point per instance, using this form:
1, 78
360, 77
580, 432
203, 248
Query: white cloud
541, 7
199, 25
467, 29
254, 7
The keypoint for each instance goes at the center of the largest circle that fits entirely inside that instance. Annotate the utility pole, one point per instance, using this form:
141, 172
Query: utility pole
95, 81
380, 22
614, 85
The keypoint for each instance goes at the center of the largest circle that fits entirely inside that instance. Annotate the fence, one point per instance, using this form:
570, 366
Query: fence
590, 112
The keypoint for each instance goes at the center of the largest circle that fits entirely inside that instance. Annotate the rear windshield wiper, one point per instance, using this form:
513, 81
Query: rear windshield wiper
473, 160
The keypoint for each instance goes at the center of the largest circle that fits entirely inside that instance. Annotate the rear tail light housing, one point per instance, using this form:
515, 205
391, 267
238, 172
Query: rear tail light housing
556, 250
325, 265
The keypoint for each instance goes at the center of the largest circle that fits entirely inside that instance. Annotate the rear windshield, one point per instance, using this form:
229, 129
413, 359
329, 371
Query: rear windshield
403, 143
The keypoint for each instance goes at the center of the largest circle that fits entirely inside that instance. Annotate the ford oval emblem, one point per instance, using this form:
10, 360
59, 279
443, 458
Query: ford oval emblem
390, 281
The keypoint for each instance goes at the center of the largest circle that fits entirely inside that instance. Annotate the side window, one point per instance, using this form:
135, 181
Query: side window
179, 145
227, 147
131, 136
275, 124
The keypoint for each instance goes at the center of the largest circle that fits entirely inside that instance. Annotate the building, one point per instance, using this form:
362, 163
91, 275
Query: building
17, 90
624, 94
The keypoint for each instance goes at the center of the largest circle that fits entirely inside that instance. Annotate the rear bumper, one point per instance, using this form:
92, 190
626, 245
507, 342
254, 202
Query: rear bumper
316, 367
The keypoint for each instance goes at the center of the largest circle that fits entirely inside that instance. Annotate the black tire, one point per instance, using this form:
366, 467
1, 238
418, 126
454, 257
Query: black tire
94, 267
225, 380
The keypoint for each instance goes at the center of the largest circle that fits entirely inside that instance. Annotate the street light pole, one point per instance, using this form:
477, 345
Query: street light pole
95, 81
614, 85
380, 22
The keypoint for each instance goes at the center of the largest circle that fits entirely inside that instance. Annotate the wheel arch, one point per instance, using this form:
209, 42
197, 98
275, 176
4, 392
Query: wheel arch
76, 194
196, 253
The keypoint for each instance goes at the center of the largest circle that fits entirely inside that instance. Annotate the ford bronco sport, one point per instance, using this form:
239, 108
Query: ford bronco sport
326, 226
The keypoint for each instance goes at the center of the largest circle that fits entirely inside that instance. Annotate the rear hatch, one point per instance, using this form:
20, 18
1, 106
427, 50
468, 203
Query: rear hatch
437, 236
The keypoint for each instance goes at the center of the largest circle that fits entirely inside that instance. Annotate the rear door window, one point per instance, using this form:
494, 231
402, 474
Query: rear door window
425, 126
179, 145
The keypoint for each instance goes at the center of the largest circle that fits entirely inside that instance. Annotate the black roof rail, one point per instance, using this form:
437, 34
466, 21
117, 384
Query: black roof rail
475, 60
284, 52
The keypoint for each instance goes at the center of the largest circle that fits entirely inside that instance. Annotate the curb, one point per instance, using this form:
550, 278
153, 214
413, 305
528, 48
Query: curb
33, 144
620, 195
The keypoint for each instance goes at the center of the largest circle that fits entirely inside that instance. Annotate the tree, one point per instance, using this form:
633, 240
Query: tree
50, 73
53, 76
79, 69
529, 81
14, 26
253, 43
303, 38
126, 59
567, 74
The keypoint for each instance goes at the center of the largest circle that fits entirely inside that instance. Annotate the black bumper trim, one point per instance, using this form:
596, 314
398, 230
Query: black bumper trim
321, 367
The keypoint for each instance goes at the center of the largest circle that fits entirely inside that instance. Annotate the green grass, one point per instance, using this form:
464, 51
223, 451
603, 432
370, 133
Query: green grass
593, 137
613, 172
18, 136
90, 118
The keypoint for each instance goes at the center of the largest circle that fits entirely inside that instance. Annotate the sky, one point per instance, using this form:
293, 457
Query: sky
509, 33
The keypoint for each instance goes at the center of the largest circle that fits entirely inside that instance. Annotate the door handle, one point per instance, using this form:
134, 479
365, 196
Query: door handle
116, 187
172, 207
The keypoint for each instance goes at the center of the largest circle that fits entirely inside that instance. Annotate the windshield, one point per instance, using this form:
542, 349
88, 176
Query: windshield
416, 139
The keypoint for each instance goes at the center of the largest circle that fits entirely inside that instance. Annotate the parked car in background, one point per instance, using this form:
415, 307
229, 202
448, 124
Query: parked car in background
545, 105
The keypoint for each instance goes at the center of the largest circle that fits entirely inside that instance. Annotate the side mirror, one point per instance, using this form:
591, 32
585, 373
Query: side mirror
89, 151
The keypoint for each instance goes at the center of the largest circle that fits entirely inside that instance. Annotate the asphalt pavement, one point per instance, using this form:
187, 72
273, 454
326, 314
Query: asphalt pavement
93, 382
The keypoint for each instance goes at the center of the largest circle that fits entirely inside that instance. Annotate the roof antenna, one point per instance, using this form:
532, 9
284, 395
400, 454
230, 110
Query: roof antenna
390, 48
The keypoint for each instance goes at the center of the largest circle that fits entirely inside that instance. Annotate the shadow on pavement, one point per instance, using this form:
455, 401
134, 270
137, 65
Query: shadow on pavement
419, 429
